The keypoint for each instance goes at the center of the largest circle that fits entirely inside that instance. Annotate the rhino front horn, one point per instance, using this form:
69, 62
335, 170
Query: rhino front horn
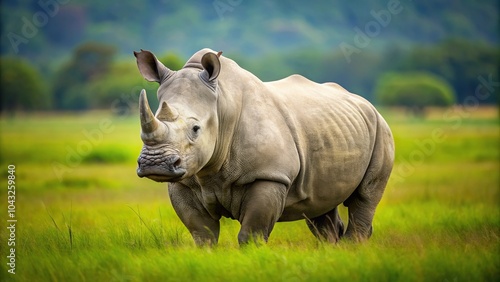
149, 123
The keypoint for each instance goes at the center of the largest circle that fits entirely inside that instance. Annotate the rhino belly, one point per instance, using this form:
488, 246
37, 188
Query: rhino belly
322, 190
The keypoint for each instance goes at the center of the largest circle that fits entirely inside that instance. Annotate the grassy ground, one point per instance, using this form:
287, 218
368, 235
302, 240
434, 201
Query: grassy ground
84, 215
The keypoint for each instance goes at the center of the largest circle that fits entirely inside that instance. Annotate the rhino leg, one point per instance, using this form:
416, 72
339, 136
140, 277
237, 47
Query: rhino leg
361, 207
361, 215
364, 200
327, 227
262, 205
203, 227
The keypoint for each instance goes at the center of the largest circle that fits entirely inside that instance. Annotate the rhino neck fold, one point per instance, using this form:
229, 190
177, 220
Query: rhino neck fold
228, 120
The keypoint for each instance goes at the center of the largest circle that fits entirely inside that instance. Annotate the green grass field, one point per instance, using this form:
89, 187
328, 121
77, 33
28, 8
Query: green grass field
84, 215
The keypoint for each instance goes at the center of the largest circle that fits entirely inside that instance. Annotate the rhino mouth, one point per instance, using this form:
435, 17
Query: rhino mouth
161, 174
165, 169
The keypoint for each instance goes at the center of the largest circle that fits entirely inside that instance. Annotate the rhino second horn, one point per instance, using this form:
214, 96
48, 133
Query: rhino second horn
167, 113
149, 123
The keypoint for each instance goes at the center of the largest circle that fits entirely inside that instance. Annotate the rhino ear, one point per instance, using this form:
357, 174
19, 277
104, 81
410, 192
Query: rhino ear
211, 66
149, 66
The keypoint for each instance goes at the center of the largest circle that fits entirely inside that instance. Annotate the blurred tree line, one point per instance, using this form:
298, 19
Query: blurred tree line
45, 66
93, 77
252, 28
458, 62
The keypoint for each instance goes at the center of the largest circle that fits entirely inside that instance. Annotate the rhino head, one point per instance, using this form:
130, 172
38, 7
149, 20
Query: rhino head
179, 140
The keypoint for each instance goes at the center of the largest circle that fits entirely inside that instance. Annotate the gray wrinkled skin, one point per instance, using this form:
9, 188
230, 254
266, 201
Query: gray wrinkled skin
261, 152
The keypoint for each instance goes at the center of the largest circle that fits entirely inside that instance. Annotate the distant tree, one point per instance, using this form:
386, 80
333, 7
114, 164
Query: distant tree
459, 61
414, 91
89, 62
22, 86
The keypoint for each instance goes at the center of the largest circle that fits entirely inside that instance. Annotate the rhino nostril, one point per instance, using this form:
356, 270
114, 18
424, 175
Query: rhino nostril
177, 163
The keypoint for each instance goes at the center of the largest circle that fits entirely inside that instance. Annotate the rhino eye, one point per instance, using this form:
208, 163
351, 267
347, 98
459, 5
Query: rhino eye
196, 129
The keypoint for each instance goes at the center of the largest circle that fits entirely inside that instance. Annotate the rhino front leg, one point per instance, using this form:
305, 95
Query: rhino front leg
204, 228
262, 205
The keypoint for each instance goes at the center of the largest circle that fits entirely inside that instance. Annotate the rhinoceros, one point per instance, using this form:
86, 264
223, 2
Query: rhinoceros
259, 152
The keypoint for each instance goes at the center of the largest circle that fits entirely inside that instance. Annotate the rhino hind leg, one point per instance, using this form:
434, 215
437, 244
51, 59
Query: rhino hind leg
361, 206
361, 214
363, 201
328, 227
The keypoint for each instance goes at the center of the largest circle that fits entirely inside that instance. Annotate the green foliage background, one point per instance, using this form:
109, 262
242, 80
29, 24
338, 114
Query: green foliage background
457, 41
21, 86
414, 90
